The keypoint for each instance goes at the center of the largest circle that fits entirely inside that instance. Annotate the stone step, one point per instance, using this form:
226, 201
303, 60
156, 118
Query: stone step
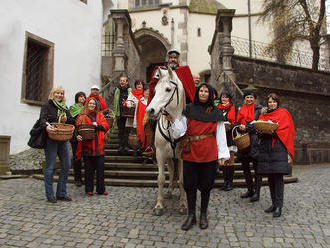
153, 183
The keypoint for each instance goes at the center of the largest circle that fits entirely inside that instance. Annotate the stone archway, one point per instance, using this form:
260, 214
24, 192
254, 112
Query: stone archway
153, 47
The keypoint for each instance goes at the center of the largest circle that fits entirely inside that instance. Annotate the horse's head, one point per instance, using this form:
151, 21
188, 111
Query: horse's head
169, 94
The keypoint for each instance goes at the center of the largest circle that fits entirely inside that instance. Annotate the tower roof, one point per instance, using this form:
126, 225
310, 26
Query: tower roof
205, 6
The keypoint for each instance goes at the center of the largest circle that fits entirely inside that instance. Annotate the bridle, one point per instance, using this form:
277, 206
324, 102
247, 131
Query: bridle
160, 124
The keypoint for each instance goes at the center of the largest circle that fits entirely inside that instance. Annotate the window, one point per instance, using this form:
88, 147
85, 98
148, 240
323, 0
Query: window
146, 3
199, 32
38, 70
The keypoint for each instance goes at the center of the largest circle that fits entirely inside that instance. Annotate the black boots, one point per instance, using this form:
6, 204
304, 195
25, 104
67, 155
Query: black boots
189, 222
203, 223
228, 172
255, 197
270, 209
277, 212
248, 193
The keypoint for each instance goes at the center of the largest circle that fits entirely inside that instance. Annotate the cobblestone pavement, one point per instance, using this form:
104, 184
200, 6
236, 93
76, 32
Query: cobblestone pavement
124, 218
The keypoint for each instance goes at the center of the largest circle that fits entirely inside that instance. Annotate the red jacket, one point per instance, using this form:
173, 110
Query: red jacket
93, 147
206, 149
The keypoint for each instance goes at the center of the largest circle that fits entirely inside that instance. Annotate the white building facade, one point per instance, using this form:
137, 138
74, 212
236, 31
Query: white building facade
45, 43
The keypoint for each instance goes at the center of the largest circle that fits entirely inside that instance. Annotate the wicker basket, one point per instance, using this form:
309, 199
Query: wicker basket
127, 112
133, 140
62, 132
228, 126
265, 127
110, 118
242, 142
87, 131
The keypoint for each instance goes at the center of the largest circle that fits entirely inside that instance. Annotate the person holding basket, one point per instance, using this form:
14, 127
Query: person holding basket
55, 110
276, 151
229, 113
91, 147
246, 115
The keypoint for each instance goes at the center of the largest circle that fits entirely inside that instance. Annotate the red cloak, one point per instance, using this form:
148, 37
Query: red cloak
245, 114
230, 113
100, 100
140, 112
285, 130
184, 74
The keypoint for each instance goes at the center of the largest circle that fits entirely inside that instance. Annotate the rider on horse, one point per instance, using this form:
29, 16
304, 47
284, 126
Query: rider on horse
185, 76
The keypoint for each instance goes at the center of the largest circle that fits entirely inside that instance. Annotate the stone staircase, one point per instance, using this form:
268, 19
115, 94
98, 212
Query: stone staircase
128, 170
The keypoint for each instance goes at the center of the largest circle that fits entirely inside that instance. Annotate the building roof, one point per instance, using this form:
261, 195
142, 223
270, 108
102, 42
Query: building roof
205, 6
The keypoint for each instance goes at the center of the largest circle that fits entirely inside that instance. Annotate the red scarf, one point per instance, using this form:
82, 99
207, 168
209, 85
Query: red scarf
230, 109
140, 112
285, 130
245, 114
137, 93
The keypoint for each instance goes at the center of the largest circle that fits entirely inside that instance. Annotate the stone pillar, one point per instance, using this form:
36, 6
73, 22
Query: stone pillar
327, 53
122, 24
4, 154
224, 28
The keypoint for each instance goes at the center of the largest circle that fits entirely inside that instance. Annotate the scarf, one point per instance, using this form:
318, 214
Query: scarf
197, 112
228, 109
285, 130
75, 109
61, 108
245, 114
137, 93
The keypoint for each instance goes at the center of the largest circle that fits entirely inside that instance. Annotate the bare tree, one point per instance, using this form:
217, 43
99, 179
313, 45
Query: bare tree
294, 20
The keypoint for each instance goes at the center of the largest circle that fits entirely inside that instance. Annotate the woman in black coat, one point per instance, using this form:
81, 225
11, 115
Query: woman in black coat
276, 151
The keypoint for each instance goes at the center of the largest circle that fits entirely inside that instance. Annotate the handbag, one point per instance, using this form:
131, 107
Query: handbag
38, 136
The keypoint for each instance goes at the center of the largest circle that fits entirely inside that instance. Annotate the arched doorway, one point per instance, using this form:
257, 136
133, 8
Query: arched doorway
153, 47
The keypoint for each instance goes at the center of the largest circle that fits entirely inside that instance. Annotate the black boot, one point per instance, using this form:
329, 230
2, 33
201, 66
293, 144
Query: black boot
277, 212
191, 219
203, 223
270, 209
224, 174
189, 222
230, 178
248, 193
256, 195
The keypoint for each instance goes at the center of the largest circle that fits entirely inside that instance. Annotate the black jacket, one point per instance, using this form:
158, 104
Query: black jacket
48, 113
272, 160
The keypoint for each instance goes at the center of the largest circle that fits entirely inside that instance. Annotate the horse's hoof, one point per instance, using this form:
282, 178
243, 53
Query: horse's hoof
159, 211
183, 211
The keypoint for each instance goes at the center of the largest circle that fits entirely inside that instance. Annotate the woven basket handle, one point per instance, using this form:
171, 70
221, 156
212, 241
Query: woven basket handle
232, 132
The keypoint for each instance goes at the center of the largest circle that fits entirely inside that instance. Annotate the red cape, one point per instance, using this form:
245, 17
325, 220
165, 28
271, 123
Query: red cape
231, 112
137, 93
140, 111
184, 74
285, 130
245, 114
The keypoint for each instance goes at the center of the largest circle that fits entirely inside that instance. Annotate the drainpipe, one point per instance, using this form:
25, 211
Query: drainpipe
250, 35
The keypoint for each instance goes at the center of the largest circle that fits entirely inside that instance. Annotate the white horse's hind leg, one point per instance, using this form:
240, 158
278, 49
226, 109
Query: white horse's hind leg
159, 208
171, 168
183, 203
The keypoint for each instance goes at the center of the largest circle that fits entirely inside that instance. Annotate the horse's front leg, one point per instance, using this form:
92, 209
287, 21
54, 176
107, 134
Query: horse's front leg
171, 168
159, 208
183, 203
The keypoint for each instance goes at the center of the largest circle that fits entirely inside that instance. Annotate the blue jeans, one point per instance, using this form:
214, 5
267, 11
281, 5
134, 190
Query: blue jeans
52, 149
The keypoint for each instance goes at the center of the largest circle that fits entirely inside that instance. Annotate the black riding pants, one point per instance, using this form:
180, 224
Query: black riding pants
199, 176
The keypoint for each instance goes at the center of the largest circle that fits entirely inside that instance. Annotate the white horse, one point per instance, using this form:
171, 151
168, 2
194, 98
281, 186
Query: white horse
170, 99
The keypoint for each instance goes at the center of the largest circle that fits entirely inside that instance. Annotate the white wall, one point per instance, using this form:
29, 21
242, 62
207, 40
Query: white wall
74, 27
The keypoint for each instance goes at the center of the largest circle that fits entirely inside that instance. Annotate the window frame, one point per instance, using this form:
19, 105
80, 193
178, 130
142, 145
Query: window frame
49, 70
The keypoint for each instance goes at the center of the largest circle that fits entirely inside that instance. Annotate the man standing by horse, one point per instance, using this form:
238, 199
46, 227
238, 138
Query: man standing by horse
186, 78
